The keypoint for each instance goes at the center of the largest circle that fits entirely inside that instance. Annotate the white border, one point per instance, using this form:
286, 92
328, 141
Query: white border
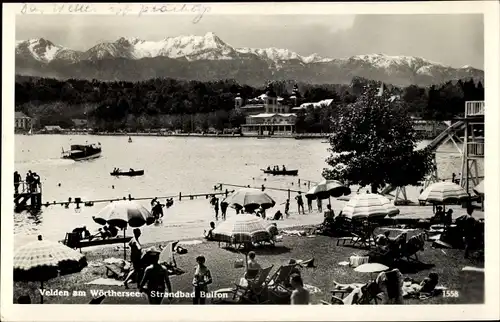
490, 310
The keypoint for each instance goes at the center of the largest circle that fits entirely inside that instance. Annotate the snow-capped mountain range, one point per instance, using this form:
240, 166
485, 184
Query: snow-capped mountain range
208, 57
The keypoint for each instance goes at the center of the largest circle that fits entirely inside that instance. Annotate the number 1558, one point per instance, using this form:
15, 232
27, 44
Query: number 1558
450, 293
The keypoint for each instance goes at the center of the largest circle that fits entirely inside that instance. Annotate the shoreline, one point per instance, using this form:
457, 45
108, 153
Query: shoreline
314, 136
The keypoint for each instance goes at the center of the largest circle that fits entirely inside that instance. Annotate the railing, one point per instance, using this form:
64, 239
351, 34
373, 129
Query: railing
474, 108
24, 187
475, 149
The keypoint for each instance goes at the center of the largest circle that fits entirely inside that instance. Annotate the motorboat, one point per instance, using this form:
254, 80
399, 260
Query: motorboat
81, 152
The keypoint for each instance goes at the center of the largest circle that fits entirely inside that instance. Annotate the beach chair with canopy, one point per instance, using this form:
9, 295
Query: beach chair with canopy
255, 288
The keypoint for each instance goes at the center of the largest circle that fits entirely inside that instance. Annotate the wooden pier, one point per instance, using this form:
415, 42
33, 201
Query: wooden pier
28, 196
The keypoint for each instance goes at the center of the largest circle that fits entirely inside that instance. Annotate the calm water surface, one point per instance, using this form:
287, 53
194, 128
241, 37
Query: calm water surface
172, 165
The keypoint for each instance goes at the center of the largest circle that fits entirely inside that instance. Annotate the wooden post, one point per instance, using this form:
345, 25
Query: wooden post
180, 196
226, 191
288, 193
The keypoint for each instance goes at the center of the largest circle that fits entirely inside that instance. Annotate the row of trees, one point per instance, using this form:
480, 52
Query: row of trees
161, 103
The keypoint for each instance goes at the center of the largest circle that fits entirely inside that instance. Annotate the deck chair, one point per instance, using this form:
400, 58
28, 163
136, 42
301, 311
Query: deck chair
412, 247
279, 282
255, 288
363, 236
368, 295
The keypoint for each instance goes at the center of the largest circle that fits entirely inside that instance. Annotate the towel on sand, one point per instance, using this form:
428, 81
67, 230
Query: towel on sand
105, 281
473, 269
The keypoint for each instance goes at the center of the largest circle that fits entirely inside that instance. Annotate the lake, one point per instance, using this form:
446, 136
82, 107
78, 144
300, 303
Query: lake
172, 165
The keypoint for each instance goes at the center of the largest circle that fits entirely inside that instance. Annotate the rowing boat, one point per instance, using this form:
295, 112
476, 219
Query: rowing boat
281, 172
128, 173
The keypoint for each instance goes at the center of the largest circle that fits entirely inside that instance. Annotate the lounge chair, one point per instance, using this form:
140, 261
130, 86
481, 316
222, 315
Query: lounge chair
357, 294
363, 236
255, 288
360, 234
279, 282
412, 247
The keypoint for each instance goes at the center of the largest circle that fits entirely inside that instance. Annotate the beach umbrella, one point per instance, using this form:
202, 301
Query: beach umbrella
42, 260
443, 192
479, 189
250, 198
369, 205
328, 188
371, 268
244, 229
125, 212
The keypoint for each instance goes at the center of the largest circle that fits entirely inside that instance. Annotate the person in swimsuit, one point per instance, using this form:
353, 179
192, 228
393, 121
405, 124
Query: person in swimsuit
202, 278
300, 295
300, 203
135, 257
156, 278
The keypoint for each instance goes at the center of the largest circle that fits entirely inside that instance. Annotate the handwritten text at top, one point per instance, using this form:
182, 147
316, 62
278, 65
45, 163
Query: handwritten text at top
199, 10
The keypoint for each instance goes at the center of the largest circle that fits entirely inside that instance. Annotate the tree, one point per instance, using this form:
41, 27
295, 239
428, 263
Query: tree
374, 139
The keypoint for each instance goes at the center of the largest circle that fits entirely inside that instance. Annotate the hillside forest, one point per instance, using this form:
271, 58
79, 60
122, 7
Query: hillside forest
192, 106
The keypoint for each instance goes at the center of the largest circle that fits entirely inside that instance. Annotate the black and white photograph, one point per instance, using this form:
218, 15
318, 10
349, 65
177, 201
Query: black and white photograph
172, 154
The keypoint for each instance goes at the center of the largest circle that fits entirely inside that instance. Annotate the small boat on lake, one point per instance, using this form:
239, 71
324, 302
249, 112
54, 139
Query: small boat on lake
80, 152
130, 173
281, 172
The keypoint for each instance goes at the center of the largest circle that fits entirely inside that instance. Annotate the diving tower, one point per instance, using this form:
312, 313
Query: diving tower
470, 147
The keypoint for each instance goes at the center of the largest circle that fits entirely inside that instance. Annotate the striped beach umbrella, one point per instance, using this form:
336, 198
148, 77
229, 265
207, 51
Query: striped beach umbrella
479, 189
328, 188
369, 205
250, 198
125, 212
43, 260
443, 192
243, 229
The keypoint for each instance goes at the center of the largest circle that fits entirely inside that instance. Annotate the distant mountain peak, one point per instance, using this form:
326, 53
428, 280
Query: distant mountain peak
127, 60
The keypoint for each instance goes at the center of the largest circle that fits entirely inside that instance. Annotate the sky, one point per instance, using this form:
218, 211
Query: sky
454, 40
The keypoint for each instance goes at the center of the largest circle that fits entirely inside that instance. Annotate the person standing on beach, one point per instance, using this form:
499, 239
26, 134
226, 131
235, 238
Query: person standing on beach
156, 277
319, 203
202, 278
216, 208
300, 203
287, 208
309, 204
468, 226
223, 209
135, 258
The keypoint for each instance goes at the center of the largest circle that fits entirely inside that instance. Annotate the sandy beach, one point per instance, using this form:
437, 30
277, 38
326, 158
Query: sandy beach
447, 263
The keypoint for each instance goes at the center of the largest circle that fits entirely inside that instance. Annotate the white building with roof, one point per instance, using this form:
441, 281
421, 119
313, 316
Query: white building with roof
272, 116
22, 121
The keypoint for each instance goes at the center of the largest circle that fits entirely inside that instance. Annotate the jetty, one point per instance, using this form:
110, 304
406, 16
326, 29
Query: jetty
28, 197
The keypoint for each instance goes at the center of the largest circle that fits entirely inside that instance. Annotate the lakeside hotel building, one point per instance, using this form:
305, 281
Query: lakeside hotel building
269, 113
